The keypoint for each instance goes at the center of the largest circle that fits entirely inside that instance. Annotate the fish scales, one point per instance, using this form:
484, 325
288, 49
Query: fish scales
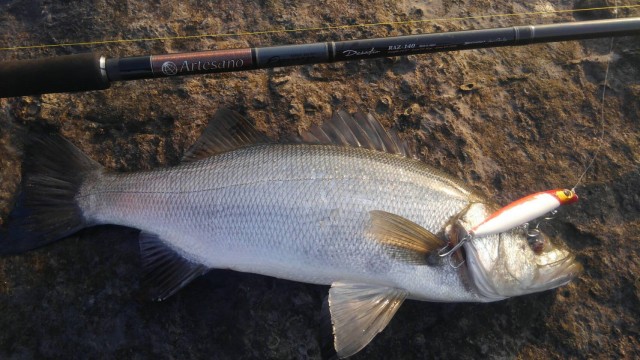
292, 211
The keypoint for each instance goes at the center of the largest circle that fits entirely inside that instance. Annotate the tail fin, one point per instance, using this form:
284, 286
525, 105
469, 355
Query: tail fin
46, 210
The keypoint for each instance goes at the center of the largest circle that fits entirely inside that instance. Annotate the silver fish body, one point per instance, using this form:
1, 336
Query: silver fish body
298, 212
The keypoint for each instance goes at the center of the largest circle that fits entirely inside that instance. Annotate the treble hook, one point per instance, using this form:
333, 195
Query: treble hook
535, 231
457, 265
449, 253
551, 216
441, 252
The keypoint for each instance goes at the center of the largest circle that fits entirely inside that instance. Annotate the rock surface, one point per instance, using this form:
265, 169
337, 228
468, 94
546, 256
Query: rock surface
509, 121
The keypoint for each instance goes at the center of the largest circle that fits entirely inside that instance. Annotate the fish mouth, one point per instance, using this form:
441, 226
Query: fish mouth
549, 270
557, 273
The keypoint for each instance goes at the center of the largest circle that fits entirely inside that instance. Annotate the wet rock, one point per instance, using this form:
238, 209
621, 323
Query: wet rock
596, 4
383, 104
534, 126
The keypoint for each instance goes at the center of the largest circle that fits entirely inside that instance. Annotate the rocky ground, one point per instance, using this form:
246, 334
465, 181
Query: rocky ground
509, 121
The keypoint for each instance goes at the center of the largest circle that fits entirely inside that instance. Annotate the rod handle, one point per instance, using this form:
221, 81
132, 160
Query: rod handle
78, 72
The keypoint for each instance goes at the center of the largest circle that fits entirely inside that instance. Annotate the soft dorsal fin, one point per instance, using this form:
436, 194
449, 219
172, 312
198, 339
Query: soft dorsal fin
165, 271
404, 239
361, 130
359, 312
226, 131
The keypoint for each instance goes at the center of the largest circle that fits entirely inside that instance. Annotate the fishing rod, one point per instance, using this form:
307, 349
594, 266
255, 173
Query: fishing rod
91, 71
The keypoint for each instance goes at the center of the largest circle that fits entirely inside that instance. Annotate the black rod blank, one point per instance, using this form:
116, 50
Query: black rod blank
82, 72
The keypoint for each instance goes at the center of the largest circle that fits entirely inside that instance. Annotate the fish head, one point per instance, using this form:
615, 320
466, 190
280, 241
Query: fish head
515, 262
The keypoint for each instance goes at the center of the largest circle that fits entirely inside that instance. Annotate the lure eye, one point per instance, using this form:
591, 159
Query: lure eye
566, 196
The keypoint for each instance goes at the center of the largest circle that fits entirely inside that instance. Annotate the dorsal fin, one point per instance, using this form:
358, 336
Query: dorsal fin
226, 131
360, 130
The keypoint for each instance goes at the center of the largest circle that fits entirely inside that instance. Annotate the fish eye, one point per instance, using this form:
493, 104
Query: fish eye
568, 193
536, 240
538, 245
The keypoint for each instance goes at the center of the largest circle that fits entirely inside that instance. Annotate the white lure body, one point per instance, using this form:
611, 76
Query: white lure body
522, 211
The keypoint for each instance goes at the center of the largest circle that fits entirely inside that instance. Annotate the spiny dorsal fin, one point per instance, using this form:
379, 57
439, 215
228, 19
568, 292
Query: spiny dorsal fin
360, 130
359, 312
227, 131
404, 239
165, 271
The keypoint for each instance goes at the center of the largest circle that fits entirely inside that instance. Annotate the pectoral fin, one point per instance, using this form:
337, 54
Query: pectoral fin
403, 238
165, 271
359, 312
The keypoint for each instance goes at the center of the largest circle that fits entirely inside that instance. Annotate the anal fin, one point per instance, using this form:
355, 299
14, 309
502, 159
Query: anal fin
165, 271
359, 312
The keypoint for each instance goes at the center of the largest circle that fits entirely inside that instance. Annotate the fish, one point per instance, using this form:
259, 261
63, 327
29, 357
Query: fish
346, 204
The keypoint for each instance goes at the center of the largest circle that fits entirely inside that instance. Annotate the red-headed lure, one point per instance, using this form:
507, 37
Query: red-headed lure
517, 213
523, 210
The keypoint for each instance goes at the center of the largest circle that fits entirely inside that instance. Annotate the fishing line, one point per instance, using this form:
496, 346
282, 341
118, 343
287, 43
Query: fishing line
602, 112
310, 29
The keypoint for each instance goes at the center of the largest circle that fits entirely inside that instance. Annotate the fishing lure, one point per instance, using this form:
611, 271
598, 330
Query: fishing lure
523, 210
517, 213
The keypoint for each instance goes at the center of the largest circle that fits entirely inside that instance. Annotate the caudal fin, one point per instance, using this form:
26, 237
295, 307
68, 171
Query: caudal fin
46, 210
